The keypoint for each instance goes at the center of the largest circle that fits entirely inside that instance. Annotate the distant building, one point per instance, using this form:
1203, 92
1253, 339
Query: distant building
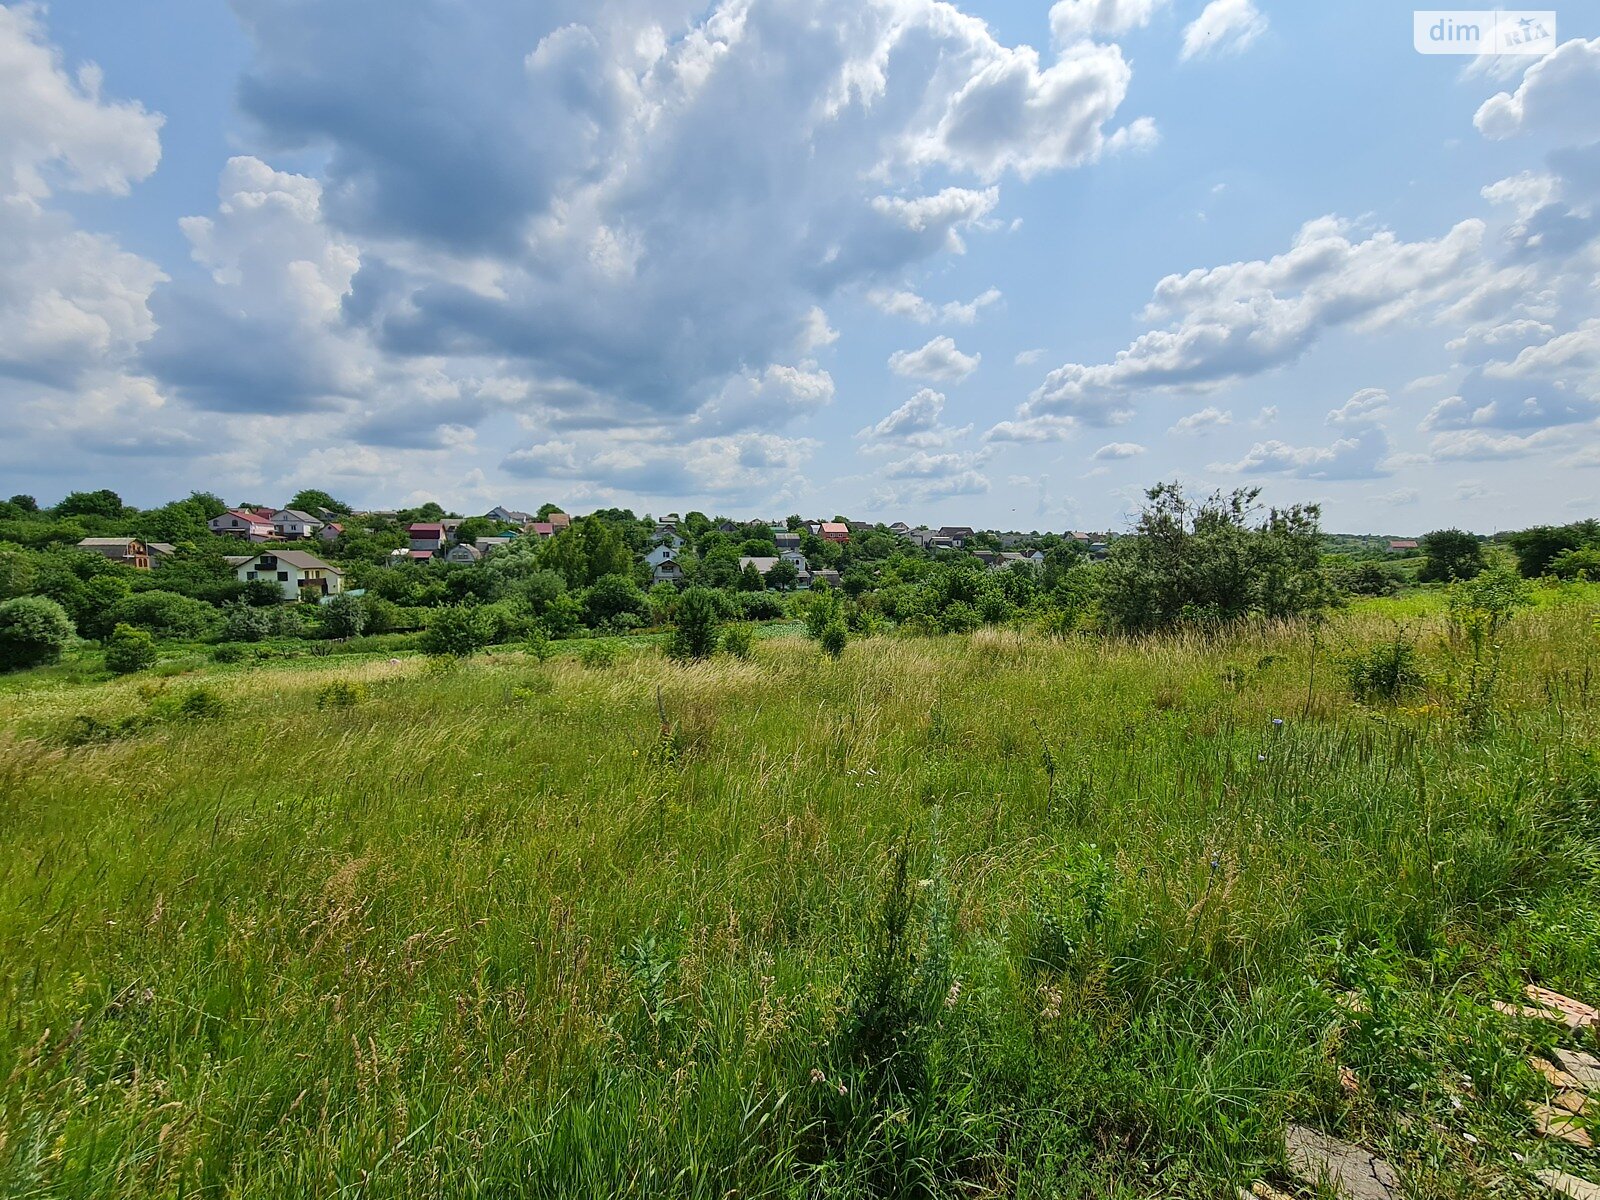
292, 523
427, 538
291, 570
1404, 546
243, 523
834, 531
509, 516
465, 555
130, 552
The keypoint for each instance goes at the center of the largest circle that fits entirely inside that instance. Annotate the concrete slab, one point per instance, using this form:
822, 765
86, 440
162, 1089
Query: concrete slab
1354, 1173
1569, 1185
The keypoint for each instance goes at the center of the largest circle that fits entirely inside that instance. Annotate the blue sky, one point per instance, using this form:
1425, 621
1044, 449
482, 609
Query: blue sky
997, 263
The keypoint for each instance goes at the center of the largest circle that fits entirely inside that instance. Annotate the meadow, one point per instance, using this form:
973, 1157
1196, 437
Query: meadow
982, 915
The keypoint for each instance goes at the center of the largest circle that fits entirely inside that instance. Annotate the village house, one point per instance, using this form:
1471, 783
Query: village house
292, 523
160, 552
786, 539
834, 531
559, 521
331, 532
666, 570
243, 523
956, 536
292, 571
465, 555
509, 516
765, 563
659, 554
427, 538
486, 544
130, 552
1403, 546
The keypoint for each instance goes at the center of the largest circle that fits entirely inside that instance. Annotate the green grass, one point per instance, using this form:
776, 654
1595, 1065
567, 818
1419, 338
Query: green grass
489, 929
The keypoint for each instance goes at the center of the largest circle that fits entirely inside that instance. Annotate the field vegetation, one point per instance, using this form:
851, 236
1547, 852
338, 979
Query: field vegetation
990, 914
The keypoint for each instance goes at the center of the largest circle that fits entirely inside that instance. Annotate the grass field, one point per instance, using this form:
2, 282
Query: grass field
978, 916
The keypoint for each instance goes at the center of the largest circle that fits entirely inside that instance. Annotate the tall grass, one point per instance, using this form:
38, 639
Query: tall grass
831, 928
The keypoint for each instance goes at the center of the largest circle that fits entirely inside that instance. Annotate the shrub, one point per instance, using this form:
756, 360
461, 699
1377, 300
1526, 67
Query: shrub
760, 606
243, 623
537, 644
459, 630
165, 614
201, 704
1365, 579
1385, 671
129, 650
736, 640
598, 654
833, 639
699, 626
340, 694
231, 652
344, 616
33, 631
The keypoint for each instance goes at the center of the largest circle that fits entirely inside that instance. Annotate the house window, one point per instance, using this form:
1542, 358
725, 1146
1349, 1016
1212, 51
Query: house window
283, 577
249, 574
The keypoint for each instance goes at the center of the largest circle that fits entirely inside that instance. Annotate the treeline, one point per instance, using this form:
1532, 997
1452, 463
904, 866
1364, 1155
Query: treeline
1199, 563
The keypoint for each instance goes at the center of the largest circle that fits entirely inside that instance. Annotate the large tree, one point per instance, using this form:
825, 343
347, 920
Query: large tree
1450, 554
1211, 562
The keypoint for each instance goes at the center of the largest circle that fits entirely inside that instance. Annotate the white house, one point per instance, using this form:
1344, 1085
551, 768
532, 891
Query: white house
668, 570
292, 523
242, 523
662, 553
291, 570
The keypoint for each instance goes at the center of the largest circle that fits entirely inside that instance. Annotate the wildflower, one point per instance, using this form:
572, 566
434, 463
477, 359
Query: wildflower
1277, 722
1261, 758
843, 1091
953, 994
817, 1076
1052, 1004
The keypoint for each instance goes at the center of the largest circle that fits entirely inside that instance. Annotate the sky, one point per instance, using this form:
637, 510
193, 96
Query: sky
999, 263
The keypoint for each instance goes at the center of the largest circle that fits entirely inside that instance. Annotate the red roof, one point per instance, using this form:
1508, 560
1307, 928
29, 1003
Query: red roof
426, 527
543, 528
249, 517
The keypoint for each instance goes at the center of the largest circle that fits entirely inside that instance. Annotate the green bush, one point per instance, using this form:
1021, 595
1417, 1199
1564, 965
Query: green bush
165, 614
598, 654
340, 693
459, 630
129, 650
1385, 671
537, 644
231, 652
698, 628
833, 639
736, 640
344, 616
34, 631
242, 622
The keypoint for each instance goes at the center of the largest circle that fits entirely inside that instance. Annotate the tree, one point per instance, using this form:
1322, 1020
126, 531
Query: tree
23, 502
699, 625
1450, 554
34, 630
613, 596
750, 579
1207, 564
1537, 548
129, 650
103, 503
309, 500
345, 616
783, 576
458, 629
